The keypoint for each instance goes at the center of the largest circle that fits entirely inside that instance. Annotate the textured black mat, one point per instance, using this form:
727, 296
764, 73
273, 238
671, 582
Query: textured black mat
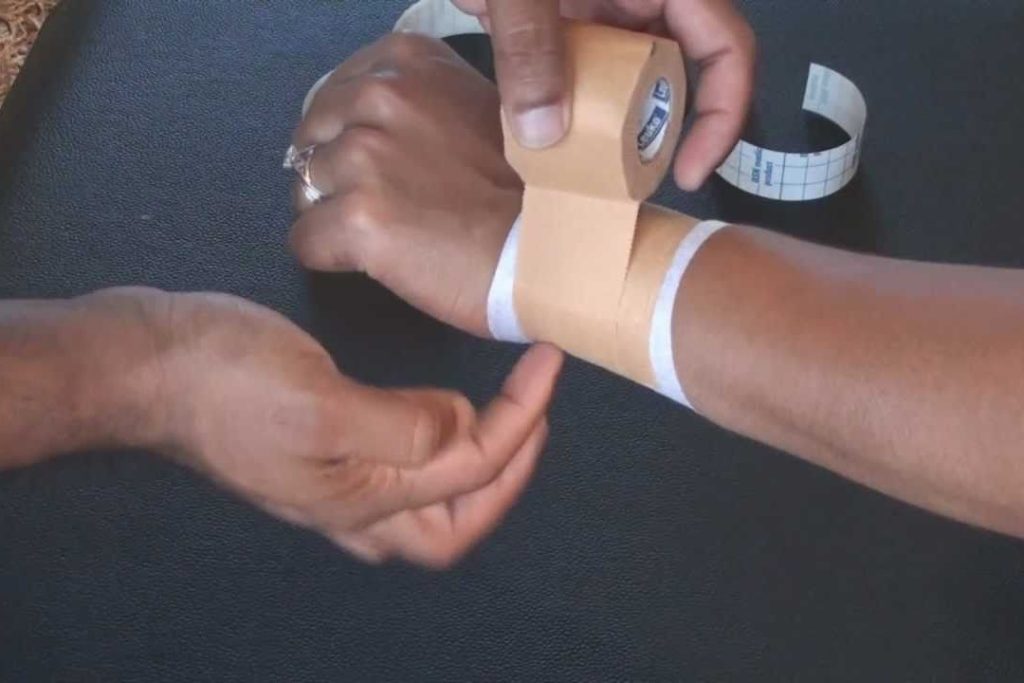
143, 145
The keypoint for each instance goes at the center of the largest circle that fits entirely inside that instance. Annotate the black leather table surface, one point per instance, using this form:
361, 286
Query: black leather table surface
143, 145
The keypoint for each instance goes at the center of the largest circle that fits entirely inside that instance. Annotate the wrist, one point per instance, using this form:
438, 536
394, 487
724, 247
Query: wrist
664, 245
80, 374
120, 384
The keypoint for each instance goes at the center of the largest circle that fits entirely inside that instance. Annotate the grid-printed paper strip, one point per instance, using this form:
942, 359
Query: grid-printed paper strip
798, 177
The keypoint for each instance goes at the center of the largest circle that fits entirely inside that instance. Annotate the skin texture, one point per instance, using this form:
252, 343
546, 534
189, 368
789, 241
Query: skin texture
242, 395
530, 63
903, 376
428, 225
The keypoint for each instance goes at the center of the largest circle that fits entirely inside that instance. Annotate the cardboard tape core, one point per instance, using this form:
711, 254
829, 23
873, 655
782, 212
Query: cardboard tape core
655, 120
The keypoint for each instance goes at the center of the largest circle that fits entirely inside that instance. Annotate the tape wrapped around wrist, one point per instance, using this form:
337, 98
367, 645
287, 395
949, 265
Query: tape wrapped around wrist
502, 320
665, 247
661, 353
562, 276
582, 196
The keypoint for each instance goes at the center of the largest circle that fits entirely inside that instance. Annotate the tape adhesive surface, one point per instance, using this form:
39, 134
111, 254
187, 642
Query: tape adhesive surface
795, 177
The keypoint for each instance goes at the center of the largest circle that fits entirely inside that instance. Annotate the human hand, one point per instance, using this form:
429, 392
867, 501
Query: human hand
240, 393
410, 159
530, 64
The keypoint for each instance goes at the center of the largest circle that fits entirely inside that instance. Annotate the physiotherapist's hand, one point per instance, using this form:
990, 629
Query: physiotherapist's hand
241, 394
530, 63
417, 190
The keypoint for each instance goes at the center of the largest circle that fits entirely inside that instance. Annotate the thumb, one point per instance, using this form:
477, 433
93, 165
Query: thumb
403, 427
529, 61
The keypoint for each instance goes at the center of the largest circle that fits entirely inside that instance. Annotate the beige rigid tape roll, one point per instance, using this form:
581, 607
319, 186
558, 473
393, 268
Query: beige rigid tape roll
583, 195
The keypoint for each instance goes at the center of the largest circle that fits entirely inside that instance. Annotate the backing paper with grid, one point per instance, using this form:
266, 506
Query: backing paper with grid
797, 177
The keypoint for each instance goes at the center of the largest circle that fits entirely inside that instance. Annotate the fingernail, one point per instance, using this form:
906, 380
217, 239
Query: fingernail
690, 179
541, 127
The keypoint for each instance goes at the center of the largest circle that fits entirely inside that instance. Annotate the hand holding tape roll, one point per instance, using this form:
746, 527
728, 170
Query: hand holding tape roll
583, 195
587, 266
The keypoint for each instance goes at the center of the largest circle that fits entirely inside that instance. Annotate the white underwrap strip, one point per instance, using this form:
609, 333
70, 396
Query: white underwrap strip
501, 306
437, 18
662, 359
797, 177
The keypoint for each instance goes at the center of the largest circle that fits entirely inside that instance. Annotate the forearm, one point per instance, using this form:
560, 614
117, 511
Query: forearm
904, 376
74, 374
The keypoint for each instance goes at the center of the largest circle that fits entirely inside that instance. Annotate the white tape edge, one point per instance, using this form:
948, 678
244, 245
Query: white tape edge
663, 360
504, 325
502, 320
437, 18
794, 177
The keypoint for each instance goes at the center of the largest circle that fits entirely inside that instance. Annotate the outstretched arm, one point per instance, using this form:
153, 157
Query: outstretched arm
904, 376
907, 377
239, 393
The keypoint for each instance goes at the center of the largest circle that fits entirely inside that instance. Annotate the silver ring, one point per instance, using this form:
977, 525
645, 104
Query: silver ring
301, 161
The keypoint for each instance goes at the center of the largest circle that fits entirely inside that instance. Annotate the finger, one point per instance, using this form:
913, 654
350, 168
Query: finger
366, 89
338, 235
338, 165
475, 515
462, 464
440, 535
719, 39
403, 428
360, 546
504, 426
372, 100
529, 60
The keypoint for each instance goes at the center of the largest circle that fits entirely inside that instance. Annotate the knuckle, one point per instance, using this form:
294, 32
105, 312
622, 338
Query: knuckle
405, 47
529, 45
352, 484
746, 41
425, 436
443, 556
536, 73
302, 244
360, 210
382, 94
380, 479
361, 214
526, 39
459, 414
360, 147
321, 123
315, 246
463, 409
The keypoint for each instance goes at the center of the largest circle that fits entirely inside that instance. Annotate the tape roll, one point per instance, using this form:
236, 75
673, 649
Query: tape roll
583, 195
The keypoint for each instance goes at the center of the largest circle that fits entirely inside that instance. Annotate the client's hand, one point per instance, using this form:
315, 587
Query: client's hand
418, 192
243, 395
